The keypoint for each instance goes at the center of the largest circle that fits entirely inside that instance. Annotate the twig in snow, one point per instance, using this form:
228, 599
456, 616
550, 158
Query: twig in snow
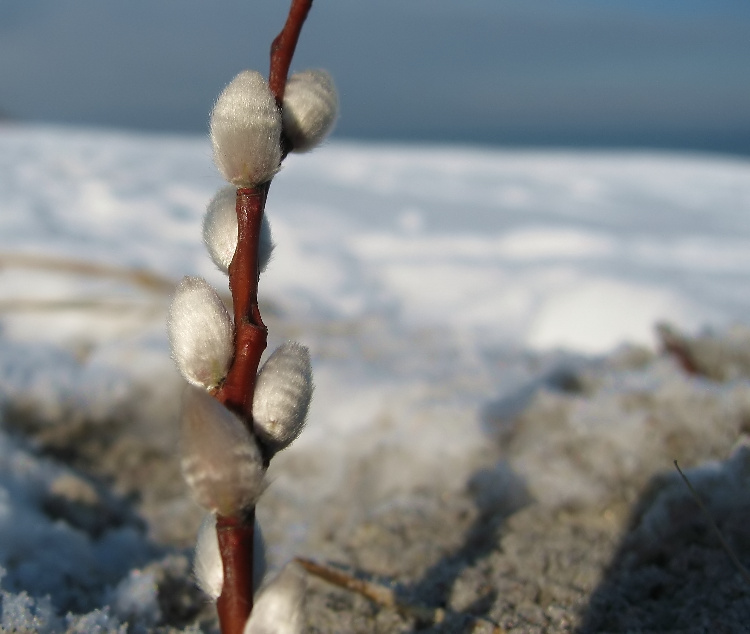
137, 277
724, 544
387, 598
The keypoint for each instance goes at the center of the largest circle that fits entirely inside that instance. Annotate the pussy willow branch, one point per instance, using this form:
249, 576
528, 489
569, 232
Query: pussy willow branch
250, 331
236, 534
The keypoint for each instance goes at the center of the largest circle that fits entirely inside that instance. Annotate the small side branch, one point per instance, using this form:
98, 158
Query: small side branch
386, 597
724, 544
672, 342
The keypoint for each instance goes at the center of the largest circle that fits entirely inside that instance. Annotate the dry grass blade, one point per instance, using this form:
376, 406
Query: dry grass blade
385, 596
137, 277
725, 545
88, 304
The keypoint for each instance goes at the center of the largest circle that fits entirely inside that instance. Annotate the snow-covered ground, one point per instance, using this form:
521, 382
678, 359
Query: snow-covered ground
429, 283
531, 249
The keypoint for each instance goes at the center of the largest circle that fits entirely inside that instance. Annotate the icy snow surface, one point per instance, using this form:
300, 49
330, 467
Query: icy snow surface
427, 282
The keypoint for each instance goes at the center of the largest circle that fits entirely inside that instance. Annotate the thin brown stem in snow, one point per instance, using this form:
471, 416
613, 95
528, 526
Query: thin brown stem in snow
386, 597
724, 544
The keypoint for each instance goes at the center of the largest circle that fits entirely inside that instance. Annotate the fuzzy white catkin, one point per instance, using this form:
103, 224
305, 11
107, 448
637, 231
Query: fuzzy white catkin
221, 460
310, 109
201, 333
246, 131
207, 565
282, 395
220, 231
279, 607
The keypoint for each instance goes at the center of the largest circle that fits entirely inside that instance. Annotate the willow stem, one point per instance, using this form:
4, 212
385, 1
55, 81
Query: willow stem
283, 47
236, 534
251, 333
236, 548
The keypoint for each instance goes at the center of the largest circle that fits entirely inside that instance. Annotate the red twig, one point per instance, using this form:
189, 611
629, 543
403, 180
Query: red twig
236, 533
236, 548
283, 47
674, 343
250, 332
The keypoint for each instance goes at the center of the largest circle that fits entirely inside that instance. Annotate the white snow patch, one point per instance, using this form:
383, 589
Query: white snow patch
416, 276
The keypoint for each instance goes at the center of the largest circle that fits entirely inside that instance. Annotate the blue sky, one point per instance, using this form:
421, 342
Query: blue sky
671, 73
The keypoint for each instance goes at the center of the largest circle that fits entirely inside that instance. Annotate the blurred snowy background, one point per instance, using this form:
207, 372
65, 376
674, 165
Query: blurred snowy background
429, 283
438, 286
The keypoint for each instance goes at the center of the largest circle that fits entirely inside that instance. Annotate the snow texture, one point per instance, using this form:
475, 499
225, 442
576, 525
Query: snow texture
310, 109
62, 538
245, 131
220, 231
135, 599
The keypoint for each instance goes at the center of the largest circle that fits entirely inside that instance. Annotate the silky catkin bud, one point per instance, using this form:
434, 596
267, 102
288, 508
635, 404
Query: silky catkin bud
220, 231
221, 460
246, 131
201, 333
282, 396
310, 109
279, 608
207, 565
